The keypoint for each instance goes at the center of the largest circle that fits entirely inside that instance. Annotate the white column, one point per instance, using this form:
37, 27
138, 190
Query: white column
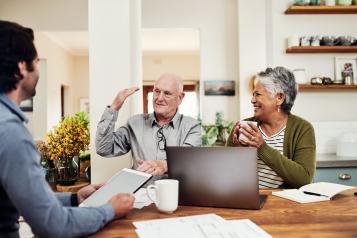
114, 64
252, 48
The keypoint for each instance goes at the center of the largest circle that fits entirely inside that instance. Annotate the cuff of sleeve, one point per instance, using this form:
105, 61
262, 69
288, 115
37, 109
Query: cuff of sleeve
74, 200
109, 211
110, 114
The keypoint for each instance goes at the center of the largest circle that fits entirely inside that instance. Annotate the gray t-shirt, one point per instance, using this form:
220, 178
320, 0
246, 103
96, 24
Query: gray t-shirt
143, 136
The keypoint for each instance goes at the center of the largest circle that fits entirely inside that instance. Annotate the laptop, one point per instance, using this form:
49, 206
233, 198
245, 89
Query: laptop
216, 176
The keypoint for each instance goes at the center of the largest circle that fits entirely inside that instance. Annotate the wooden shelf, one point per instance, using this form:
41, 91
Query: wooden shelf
310, 87
322, 10
321, 49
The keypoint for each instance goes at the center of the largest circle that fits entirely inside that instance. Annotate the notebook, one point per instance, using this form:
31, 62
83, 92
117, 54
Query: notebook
216, 176
314, 192
124, 181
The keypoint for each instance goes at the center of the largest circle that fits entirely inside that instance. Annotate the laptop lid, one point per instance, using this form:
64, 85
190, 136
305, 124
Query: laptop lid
215, 176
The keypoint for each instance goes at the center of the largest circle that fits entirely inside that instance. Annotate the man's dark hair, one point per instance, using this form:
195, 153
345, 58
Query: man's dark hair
16, 45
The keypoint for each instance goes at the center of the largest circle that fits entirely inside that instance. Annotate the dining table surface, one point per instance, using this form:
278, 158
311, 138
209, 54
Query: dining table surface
279, 217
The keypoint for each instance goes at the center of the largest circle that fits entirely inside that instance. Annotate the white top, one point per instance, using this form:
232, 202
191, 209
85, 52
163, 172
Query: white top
267, 176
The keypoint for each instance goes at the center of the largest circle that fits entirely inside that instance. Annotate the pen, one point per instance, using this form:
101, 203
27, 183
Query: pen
315, 194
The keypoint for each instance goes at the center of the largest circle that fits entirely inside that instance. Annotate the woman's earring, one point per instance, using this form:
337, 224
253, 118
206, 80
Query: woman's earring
278, 108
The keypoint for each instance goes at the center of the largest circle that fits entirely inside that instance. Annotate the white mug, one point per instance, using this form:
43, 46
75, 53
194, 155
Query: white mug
166, 191
330, 2
242, 138
293, 40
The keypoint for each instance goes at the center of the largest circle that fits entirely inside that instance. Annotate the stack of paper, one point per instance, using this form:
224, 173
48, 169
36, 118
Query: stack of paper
199, 226
142, 199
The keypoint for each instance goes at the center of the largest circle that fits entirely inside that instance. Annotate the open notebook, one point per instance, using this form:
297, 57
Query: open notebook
314, 192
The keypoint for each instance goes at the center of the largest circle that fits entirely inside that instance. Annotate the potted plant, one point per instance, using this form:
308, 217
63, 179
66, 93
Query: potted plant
65, 143
216, 134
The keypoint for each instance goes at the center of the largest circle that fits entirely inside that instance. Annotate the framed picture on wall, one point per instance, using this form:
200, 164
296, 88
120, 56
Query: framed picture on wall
345, 70
219, 88
27, 105
84, 105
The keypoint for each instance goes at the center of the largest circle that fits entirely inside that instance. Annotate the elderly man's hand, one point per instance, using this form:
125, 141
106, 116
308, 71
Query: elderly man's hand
87, 191
121, 97
154, 167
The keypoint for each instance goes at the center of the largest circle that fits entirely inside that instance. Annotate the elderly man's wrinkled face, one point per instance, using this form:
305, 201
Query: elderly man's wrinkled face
167, 97
263, 102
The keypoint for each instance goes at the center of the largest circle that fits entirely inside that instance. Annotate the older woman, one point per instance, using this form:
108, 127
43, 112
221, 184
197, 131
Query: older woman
285, 142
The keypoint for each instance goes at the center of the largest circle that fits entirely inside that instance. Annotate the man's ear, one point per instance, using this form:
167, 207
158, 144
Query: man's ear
22, 68
181, 96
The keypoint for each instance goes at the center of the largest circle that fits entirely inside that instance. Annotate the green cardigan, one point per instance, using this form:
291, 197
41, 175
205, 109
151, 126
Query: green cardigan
297, 164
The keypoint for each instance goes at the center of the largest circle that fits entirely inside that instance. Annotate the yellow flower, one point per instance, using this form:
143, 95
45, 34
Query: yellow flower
68, 139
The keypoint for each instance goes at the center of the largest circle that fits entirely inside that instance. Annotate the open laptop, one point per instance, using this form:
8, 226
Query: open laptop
216, 176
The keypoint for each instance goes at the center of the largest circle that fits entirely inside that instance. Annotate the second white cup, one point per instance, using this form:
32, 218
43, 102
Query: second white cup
242, 138
166, 191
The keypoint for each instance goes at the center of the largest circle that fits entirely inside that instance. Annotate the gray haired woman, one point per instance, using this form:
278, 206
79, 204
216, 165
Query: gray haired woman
285, 142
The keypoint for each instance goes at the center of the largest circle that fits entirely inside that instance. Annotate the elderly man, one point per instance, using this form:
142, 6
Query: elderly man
23, 188
147, 135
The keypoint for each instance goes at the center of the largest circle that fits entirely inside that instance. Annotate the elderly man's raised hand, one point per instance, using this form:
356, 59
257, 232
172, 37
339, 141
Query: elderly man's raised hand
121, 97
122, 204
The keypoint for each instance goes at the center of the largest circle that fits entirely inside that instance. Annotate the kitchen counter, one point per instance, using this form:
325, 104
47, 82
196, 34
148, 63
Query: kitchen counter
333, 161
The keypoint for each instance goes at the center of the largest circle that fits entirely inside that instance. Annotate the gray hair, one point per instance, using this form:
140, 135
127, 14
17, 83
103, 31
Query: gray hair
280, 80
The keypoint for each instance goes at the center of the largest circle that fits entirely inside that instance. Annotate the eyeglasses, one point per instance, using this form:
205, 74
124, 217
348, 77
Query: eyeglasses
161, 143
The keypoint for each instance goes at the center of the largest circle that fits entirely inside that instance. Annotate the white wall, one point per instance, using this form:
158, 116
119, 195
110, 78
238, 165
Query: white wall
185, 65
252, 40
59, 71
115, 63
217, 22
45, 15
80, 84
314, 106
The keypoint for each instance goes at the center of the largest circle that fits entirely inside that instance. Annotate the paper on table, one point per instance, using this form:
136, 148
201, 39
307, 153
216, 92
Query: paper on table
142, 199
200, 226
197, 219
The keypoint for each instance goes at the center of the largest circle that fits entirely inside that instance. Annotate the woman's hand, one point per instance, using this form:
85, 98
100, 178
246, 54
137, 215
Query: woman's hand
253, 135
235, 139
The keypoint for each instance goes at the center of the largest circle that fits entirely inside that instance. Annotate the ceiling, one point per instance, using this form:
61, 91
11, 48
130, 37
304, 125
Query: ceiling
153, 40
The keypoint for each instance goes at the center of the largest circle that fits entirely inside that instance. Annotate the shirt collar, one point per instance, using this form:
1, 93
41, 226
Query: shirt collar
4, 99
174, 121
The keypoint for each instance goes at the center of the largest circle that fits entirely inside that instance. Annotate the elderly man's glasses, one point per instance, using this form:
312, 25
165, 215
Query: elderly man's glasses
161, 139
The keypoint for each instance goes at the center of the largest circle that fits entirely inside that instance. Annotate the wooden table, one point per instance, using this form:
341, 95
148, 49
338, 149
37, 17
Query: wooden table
279, 217
71, 188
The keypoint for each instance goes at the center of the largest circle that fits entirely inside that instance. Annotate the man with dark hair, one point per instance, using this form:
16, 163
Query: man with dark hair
23, 189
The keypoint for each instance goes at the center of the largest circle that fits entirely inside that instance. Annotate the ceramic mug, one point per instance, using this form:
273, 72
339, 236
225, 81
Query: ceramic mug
293, 40
330, 2
315, 41
166, 191
305, 40
242, 138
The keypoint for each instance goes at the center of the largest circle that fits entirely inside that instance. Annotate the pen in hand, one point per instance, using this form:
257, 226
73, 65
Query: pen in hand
315, 194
